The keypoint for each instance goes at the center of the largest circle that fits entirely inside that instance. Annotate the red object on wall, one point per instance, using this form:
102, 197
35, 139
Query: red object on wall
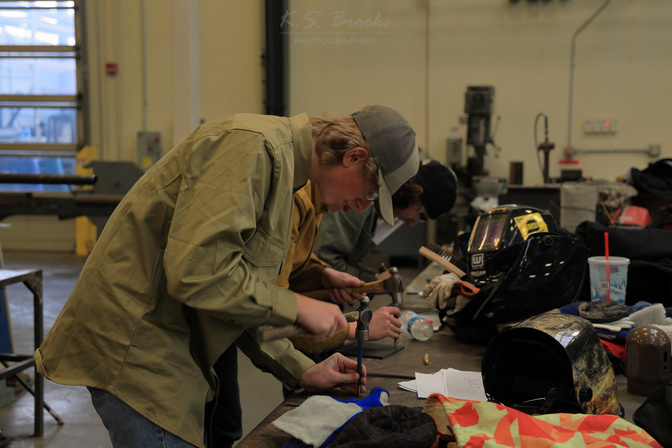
111, 68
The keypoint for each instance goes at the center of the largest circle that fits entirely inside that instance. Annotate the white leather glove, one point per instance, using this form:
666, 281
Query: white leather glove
439, 290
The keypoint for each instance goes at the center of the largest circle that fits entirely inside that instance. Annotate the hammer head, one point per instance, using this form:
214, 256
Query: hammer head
395, 286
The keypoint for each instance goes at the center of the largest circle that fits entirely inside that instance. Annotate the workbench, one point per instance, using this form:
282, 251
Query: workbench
444, 350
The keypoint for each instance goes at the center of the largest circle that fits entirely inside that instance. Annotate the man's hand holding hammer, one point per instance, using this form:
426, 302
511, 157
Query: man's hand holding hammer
319, 319
338, 281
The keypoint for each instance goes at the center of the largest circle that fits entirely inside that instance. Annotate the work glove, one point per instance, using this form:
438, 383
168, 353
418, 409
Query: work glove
599, 311
443, 287
439, 290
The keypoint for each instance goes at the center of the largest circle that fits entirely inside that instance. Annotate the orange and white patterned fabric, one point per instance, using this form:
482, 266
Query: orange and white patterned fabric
485, 424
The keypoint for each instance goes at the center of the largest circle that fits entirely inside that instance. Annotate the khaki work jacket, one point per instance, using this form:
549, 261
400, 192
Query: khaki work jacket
188, 261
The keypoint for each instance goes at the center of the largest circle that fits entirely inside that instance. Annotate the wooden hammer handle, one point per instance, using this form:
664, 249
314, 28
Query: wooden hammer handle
289, 331
323, 294
447, 265
273, 333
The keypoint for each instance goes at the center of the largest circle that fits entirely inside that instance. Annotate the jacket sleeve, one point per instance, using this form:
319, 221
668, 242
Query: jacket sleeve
226, 241
278, 358
344, 239
309, 278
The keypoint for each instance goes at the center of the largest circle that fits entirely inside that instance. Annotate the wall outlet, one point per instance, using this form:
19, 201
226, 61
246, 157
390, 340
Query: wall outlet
600, 126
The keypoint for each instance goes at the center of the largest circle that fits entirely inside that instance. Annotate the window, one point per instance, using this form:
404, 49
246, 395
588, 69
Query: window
42, 112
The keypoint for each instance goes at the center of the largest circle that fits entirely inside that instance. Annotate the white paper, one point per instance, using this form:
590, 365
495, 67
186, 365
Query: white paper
453, 383
410, 385
428, 384
464, 385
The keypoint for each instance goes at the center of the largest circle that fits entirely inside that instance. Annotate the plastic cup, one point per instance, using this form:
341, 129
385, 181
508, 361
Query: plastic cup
617, 275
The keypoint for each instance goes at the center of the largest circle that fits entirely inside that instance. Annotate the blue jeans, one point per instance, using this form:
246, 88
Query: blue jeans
129, 429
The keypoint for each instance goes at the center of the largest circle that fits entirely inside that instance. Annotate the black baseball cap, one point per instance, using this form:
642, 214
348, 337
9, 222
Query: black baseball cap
439, 185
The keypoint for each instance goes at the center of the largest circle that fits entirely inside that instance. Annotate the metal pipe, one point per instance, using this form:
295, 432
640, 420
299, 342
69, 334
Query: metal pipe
275, 59
43, 147
83, 75
99, 81
651, 150
52, 179
572, 66
143, 46
36, 48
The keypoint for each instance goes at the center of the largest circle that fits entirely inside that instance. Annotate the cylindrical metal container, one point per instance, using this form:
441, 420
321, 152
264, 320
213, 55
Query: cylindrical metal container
647, 359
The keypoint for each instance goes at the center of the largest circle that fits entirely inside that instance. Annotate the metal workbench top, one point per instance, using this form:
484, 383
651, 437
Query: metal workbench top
444, 350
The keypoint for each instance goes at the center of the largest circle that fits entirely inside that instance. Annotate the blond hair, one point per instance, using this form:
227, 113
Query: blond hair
337, 135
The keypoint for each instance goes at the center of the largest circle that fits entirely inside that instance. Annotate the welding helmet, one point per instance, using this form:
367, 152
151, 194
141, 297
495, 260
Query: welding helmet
550, 363
528, 265
499, 228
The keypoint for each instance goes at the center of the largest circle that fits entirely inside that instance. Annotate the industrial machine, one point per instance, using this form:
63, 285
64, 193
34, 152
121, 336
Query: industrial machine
478, 103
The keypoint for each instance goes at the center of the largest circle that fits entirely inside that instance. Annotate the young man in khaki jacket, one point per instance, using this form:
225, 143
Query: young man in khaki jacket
186, 266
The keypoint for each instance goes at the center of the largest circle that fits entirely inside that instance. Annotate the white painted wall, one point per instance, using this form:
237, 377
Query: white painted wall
433, 50
418, 56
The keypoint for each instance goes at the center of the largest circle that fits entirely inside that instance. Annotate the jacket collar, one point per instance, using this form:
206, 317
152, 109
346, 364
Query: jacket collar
303, 148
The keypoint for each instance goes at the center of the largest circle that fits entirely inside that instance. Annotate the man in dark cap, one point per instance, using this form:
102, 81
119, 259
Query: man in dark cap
345, 238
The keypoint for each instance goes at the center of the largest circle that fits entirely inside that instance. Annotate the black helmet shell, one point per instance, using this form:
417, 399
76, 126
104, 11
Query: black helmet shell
550, 363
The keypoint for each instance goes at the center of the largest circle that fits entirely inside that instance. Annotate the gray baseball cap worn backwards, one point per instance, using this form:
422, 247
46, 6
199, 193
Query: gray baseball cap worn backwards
392, 142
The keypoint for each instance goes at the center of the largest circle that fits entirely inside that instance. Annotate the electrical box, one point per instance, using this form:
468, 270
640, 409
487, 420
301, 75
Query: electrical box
149, 149
601, 126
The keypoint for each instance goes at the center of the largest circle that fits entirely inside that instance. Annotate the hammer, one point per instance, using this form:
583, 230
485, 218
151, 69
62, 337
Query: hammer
392, 285
266, 334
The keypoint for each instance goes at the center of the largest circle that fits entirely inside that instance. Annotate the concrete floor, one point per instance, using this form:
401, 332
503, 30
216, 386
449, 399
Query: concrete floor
260, 392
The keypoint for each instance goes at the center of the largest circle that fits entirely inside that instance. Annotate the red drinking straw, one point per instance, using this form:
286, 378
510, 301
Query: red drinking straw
606, 257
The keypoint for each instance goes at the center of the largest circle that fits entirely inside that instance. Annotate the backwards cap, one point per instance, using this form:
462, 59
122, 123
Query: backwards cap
392, 142
439, 188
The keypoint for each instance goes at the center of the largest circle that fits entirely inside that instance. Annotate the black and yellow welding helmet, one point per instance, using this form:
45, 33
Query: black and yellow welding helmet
550, 363
523, 263
499, 228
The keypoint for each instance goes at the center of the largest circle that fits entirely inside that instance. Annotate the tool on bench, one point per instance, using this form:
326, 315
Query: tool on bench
362, 334
442, 260
266, 334
378, 349
391, 285
398, 297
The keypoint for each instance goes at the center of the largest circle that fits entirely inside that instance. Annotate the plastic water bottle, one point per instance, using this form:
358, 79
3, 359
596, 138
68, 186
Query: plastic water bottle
416, 326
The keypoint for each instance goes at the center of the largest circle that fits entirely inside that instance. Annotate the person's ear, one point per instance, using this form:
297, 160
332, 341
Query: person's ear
354, 156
